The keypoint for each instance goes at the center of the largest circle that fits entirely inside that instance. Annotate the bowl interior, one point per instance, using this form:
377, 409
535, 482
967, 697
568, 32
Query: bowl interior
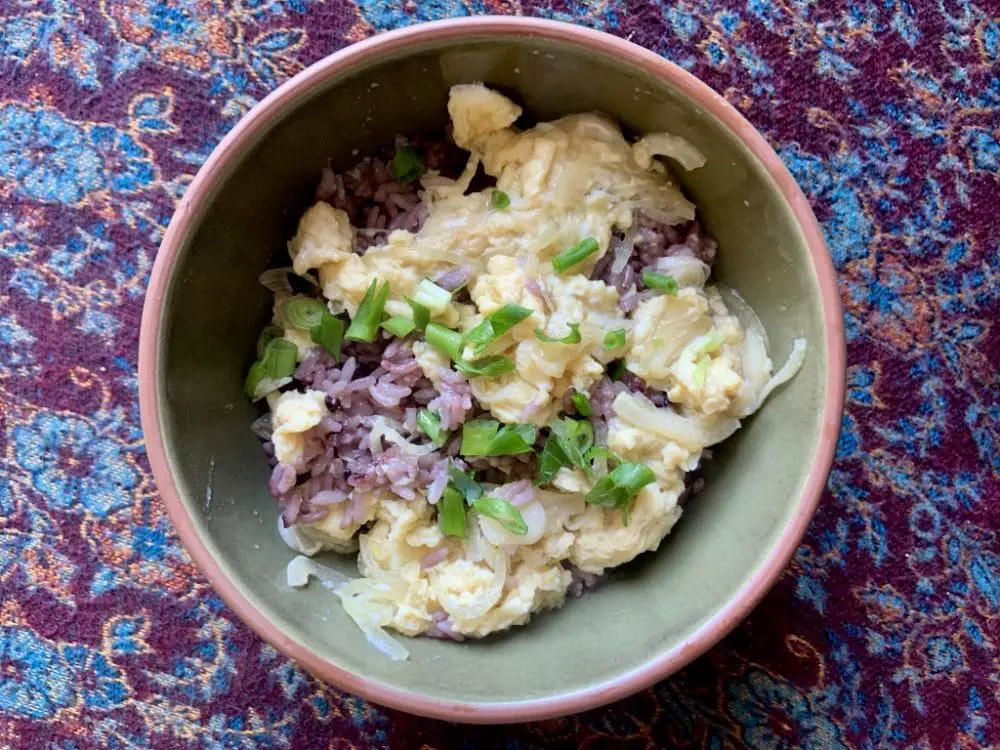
214, 310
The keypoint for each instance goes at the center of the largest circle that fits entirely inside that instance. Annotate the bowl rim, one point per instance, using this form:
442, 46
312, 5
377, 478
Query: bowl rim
234, 146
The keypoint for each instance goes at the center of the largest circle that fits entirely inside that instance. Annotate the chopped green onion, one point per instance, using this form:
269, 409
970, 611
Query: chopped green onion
618, 489
445, 340
700, 376
550, 460
451, 513
430, 423
495, 325
573, 337
277, 364
615, 339
654, 280
303, 313
421, 315
499, 200
616, 369
364, 327
406, 166
465, 484
575, 437
582, 404
266, 337
599, 451
576, 254
433, 297
489, 367
399, 326
503, 512
485, 437
329, 334
712, 341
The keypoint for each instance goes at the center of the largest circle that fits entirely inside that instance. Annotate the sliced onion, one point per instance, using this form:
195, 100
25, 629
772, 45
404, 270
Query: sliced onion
294, 538
788, 370
372, 606
300, 568
385, 429
533, 514
684, 269
670, 212
669, 145
625, 249
276, 279
690, 432
742, 310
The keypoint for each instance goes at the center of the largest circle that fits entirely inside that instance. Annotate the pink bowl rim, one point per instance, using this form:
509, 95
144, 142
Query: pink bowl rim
234, 146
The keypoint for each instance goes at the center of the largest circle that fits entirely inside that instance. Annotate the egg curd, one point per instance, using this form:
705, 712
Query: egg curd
537, 339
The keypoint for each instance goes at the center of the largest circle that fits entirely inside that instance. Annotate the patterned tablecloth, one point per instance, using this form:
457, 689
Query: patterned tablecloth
883, 633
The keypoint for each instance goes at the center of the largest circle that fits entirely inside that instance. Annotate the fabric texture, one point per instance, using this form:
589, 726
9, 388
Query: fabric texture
883, 632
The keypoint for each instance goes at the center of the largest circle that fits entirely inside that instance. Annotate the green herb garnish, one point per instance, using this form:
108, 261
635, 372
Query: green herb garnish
445, 340
464, 483
406, 166
499, 200
277, 363
618, 489
495, 325
435, 298
364, 326
550, 460
485, 437
575, 437
700, 376
582, 404
421, 315
654, 280
489, 367
451, 513
329, 334
576, 254
573, 337
615, 339
266, 337
430, 424
303, 313
503, 512
399, 326
616, 369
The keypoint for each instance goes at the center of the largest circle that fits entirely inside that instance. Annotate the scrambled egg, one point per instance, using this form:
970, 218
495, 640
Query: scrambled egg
567, 180
294, 414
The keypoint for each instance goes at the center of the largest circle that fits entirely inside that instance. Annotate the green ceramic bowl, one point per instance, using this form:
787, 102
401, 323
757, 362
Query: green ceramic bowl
205, 308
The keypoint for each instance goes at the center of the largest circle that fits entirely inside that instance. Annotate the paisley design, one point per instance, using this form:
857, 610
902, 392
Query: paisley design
881, 634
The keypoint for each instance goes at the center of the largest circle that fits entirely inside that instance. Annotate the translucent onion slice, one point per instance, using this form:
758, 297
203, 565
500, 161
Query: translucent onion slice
294, 538
276, 279
691, 432
385, 429
369, 604
669, 145
533, 514
683, 269
788, 370
300, 568
742, 310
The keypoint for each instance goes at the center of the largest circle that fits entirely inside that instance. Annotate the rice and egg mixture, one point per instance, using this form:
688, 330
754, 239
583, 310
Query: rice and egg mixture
495, 395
